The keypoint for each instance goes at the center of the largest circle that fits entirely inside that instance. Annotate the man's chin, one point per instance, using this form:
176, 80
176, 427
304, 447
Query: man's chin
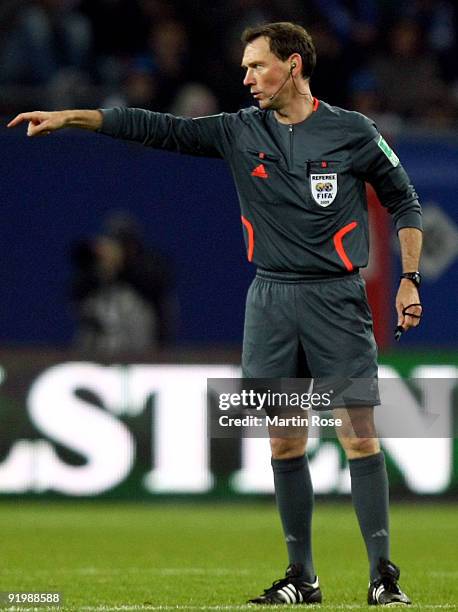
264, 103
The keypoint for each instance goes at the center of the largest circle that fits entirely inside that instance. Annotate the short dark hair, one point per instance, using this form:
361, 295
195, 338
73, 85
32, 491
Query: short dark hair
286, 38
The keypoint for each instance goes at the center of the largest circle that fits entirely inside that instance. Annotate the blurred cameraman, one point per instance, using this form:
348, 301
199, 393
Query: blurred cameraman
122, 292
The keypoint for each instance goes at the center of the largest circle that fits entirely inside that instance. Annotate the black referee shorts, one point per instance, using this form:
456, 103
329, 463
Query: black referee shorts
320, 329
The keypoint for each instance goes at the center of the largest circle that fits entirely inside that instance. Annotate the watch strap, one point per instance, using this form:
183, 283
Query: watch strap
415, 277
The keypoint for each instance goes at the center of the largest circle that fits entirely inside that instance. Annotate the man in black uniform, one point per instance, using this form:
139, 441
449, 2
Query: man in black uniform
300, 168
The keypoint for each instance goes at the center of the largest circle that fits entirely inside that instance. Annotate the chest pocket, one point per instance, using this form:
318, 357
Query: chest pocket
261, 158
262, 172
324, 184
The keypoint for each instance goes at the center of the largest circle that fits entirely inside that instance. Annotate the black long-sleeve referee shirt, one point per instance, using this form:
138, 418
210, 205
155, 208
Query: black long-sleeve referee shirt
301, 187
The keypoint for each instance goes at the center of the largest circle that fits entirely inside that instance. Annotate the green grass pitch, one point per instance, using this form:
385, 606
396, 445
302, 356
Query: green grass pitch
184, 556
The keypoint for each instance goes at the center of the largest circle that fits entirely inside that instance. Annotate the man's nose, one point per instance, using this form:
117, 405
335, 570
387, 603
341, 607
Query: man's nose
249, 78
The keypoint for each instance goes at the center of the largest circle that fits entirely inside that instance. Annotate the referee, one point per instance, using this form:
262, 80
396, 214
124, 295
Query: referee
300, 167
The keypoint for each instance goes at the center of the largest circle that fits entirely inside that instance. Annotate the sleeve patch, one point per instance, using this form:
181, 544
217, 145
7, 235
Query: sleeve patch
385, 147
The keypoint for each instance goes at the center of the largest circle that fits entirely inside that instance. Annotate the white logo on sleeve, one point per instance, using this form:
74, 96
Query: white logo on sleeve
385, 147
324, 188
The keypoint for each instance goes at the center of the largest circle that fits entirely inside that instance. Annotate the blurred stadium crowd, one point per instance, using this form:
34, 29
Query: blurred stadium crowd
392, 60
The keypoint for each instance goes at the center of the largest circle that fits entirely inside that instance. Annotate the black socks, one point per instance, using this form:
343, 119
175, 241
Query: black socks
294, 494
369, 490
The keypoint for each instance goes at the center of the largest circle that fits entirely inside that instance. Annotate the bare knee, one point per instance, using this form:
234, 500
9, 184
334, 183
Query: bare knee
287, 448
358, 435
356, 448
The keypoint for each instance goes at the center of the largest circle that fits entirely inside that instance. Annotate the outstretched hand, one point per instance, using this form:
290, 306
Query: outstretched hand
40, 123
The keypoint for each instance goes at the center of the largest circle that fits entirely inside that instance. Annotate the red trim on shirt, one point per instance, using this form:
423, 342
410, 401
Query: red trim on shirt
316, 104
338, 237
250, 232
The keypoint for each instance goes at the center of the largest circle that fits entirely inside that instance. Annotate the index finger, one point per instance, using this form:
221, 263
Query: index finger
412, 318
414, 311
21, 118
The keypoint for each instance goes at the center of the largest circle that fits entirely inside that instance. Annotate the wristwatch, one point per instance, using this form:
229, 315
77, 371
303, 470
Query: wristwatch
415, 277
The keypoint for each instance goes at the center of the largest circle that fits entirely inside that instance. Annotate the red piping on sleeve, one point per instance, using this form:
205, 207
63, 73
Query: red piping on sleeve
250, 232
338, 237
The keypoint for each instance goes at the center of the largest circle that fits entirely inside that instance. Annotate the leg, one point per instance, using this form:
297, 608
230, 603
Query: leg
337, 335
271, 350
369, 481
294, 495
